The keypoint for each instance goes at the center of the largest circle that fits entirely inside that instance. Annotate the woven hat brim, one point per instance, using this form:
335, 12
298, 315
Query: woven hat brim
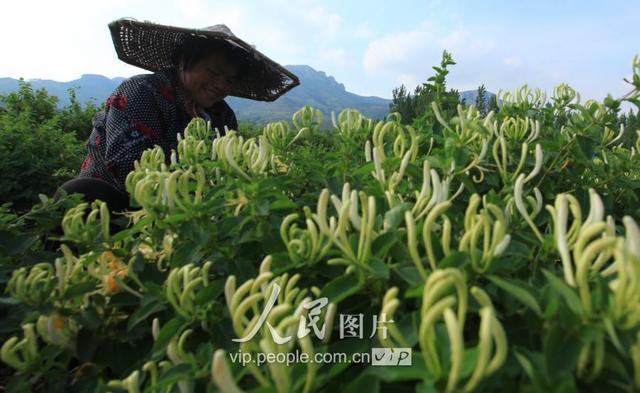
151, 46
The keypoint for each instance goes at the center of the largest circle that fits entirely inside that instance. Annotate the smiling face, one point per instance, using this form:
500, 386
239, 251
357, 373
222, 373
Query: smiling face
210, 80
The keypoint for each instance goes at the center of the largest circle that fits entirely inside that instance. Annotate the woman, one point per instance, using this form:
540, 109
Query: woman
194, 70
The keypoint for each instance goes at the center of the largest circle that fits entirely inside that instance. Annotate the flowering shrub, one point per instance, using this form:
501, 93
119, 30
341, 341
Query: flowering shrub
503, 250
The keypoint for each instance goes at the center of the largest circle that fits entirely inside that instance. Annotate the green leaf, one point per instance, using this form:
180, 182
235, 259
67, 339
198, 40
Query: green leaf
150, 305
468, 183
414, 171
342, 287
381, 245
414, 292
283, 204
363, 383
396, 215
209, 293
19, 244
409, 273
568, 294
519, 290
380, 268
79, 289
364, 170
426, 387
529, 369
561, 350
176, 217
89, 318
167, 332
177, 373
86, 344
586, 146
469, 361
456, 259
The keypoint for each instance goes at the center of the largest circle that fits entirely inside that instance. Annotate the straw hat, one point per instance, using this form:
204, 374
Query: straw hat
151, 46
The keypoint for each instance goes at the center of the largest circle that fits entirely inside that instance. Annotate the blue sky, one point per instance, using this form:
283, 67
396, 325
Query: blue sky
370, 46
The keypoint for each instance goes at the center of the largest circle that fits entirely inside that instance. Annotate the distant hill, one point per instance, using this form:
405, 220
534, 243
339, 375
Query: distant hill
89, 87
316, 88
469, 97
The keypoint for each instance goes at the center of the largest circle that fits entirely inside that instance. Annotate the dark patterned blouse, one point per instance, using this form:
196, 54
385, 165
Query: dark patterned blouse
145, 110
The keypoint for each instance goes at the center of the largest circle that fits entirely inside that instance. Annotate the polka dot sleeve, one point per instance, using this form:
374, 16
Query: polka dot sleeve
133, 123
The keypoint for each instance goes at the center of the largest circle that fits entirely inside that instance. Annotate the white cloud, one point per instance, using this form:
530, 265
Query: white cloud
397, 51
333, 56
363, 31
327, 24
409, 81
512, 61
63, 48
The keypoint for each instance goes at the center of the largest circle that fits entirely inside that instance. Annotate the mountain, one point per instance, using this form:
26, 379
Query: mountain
469, 97
316, 89
89, 87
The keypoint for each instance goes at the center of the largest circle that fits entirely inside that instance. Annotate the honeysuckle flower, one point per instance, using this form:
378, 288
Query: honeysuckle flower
485, 234
32, 286
273, 309
21, 354
57, 329
182, 285
390, 304
307, 118
304, 245
221, 374
443, 290
81, 230
520, 204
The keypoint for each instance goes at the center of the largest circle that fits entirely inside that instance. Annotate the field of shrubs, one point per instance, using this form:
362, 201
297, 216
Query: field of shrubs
502, 248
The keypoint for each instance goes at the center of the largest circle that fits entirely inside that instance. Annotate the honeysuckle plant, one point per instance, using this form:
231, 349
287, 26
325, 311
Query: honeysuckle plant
350, 123
485, 236
438, 303
438, 230
83, 230
304, 245
434, 190
305, 120
402, 148
356, 210
183, 285
21, 353
32, 286
523, 99
243, 157
272, 309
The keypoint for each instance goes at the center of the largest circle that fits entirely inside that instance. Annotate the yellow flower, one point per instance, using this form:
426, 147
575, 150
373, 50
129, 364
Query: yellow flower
239, 202
113, 268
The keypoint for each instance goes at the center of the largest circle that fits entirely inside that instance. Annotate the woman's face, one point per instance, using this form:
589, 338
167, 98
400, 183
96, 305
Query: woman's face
210, 80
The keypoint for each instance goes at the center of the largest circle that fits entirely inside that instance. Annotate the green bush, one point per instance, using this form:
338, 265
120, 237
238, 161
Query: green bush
39, 149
